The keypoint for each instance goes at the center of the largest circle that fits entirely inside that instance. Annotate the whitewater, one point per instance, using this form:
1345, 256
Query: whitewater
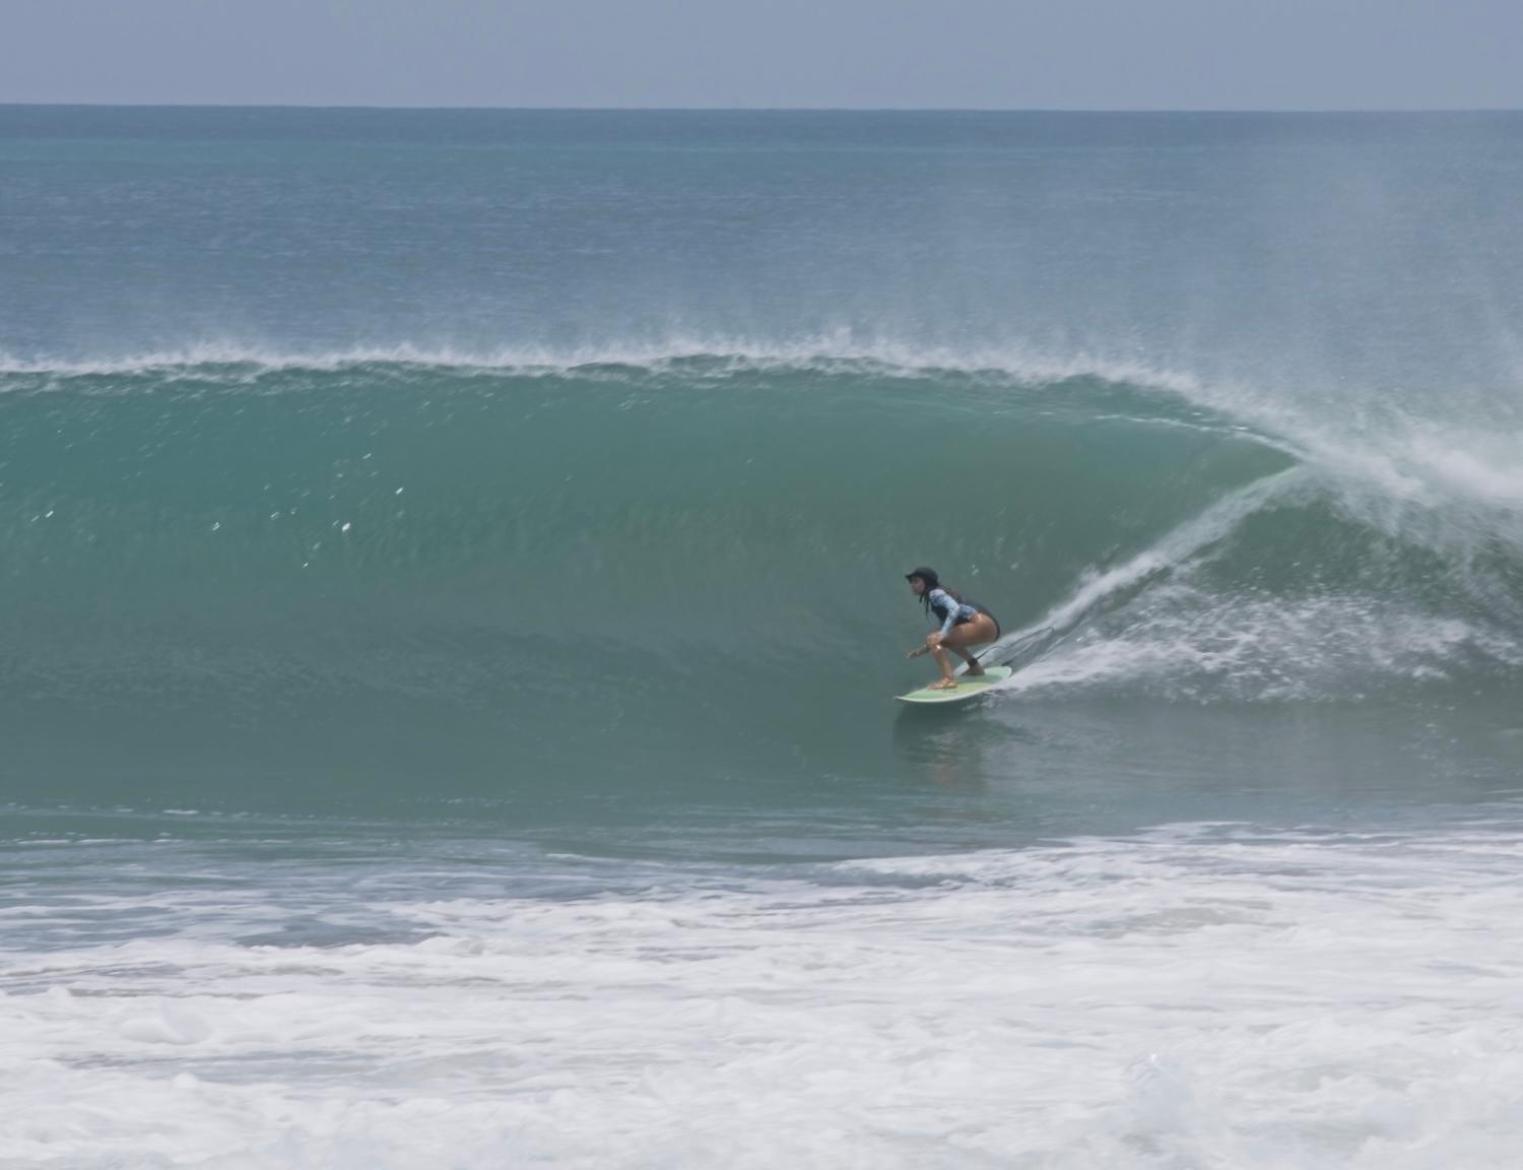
453, 598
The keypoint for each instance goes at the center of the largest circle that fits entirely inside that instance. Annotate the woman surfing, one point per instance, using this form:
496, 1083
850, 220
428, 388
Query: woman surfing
964, 624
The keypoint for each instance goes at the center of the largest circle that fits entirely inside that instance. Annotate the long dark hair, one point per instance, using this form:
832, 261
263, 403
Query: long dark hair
925, 598
932, 581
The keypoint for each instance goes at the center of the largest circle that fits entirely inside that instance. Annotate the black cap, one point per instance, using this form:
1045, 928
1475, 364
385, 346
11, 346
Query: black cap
927, 575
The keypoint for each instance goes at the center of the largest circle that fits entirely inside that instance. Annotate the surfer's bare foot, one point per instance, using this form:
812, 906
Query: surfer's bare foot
945, 684
974, 670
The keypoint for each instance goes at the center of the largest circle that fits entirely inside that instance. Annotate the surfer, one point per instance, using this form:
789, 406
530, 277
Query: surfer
964, 624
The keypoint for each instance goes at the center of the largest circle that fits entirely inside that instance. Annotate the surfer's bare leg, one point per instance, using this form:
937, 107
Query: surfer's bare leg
975, 668
944, 664
961, 640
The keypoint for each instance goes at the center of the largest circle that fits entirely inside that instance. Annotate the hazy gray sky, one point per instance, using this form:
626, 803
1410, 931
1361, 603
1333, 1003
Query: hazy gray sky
1089, 54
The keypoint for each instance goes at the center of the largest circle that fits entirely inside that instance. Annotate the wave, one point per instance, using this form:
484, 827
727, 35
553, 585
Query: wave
379, 520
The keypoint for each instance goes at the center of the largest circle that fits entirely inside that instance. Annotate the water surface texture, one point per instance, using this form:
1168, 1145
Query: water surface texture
452, 599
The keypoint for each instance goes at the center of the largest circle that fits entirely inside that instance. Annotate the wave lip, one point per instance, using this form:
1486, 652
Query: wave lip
1405, 457
825, 352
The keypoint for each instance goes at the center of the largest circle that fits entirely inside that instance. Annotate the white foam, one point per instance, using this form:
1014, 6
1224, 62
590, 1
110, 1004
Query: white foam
1198, 996
1177, 547
1189, 645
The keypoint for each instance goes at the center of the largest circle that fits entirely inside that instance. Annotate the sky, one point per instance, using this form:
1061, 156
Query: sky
966, 54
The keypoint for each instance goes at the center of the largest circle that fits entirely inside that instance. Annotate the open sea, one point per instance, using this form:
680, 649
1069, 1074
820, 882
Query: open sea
451, 603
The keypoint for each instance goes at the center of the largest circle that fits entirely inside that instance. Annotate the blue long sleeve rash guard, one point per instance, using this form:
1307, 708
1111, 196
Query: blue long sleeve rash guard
954, 609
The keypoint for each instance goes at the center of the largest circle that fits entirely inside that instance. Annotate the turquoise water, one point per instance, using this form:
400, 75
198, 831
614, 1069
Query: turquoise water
452, 604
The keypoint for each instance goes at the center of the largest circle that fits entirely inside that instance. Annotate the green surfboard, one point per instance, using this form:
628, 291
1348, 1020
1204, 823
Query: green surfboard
966, 688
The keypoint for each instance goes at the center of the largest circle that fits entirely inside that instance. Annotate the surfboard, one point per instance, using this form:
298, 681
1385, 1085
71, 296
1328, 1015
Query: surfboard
966, 688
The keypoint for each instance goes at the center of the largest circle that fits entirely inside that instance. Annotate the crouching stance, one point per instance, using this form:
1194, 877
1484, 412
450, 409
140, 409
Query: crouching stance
964, 624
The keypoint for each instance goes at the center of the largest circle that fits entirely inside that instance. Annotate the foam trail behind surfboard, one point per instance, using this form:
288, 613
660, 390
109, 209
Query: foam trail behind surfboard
1034, 641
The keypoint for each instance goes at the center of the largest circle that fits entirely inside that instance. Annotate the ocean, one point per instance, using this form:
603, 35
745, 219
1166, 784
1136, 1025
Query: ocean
452, 600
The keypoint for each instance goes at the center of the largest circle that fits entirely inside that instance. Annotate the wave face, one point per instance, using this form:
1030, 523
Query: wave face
700, 555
